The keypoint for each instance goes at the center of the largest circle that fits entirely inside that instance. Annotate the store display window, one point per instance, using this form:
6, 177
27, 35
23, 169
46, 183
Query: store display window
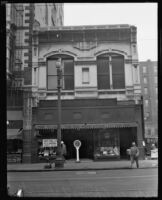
47, 148
14, 151
106, 144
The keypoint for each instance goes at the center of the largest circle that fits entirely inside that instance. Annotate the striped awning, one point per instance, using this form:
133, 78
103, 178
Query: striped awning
87, 126
14, 134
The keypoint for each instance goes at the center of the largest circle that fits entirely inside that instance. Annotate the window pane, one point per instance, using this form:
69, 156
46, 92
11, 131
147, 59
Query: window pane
155, 79
103, 82
19, 37
68, 74
155, 68
144, 69
68, 67
68, 82
52, 67
146, 90
146, 103
103, 74
103, 66
52, 82
118, 72
145, 80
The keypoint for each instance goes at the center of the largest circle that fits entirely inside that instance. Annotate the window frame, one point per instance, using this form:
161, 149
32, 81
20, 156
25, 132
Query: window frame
85, 69
64, 76
113, 75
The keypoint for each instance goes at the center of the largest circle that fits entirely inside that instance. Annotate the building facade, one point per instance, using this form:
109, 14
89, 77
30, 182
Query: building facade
100, 96
149, 88
20, 19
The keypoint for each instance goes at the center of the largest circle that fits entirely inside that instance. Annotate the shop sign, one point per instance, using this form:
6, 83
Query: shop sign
49, 142
154, 153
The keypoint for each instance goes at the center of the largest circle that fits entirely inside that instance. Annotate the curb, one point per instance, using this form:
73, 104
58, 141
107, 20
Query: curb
70, 169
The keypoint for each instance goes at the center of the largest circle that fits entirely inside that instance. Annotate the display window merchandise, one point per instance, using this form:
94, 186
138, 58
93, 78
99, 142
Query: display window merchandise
106, 144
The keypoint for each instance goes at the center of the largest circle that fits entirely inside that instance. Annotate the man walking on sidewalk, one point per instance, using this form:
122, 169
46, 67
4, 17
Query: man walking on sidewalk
134, 154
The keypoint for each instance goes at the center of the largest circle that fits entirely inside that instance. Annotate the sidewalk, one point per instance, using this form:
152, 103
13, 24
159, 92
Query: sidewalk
71, 165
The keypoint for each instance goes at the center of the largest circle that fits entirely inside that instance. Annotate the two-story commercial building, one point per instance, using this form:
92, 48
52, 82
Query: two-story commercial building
100, 96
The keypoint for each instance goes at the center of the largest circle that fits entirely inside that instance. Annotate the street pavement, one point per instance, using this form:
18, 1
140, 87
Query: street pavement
71, 165
89, 183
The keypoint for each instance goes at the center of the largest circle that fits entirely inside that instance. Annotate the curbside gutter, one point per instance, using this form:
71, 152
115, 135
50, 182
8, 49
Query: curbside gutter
70, 169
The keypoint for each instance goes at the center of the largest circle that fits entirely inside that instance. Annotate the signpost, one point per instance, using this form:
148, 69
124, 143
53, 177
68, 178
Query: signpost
77, 144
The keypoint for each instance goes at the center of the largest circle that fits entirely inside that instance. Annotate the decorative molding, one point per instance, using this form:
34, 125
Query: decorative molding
85, 62
60, 51
111, 51
85, 46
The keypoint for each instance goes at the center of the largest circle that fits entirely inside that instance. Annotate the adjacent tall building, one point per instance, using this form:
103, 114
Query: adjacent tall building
20, 20
149, 86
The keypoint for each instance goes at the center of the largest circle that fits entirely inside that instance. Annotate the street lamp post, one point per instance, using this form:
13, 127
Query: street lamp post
59, 162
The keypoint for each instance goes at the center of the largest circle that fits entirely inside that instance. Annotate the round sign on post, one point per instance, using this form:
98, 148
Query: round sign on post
77, 144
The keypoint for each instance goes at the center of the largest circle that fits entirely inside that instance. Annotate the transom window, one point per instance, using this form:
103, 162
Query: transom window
67, 65
110, 71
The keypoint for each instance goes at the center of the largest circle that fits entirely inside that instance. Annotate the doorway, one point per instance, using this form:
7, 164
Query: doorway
86, 138
127, 136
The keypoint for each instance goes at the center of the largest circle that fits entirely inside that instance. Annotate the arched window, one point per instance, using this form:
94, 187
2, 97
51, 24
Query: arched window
110, 71
67, 63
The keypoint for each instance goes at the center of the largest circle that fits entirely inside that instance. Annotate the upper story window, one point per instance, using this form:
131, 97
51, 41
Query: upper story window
155, 69
146, 90
144, 69
19, 37
85, 75
145, 80
156, 90
155, 79
110, 71
146, 102
67, 63
19, 14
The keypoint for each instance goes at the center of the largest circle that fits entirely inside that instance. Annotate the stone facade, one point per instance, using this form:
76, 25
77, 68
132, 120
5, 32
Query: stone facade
84, 45
73, 42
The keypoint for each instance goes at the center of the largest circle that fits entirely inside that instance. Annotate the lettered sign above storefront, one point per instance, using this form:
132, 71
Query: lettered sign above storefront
49, 142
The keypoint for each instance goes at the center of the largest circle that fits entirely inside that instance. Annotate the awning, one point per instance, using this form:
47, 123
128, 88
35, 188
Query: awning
87, 126
14, 134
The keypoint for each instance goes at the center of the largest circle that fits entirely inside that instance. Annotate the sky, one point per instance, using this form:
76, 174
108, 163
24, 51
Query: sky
142, 15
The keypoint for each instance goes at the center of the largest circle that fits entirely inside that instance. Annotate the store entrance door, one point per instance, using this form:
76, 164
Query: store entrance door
127, 136
86, 138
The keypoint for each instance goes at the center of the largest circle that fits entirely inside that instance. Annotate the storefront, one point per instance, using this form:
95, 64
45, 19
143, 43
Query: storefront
14, 146
98, 141
105, 131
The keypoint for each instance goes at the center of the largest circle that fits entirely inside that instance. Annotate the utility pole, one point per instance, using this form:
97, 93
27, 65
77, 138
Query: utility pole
59, 162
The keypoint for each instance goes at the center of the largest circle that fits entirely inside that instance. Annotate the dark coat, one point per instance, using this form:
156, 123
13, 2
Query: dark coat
63, 149
134, 151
